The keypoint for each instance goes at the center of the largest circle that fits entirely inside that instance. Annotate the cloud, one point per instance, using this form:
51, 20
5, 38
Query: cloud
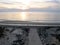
11, 5
44, 5
19, 5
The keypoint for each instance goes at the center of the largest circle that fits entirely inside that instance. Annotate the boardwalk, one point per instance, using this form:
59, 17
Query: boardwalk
34, 38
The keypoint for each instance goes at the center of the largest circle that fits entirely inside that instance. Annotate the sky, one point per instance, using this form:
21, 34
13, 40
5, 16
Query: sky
26, 0
25, 4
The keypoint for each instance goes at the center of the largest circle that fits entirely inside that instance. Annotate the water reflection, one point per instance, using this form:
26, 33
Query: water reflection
24, 16
31, 16
45, 17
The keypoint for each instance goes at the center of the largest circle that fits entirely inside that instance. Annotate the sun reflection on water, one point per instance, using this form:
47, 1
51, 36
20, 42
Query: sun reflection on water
24, 16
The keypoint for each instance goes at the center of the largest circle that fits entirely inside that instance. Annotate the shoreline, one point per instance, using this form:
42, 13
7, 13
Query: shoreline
28, 23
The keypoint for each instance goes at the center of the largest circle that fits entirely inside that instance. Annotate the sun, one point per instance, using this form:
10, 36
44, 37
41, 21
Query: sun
25, 5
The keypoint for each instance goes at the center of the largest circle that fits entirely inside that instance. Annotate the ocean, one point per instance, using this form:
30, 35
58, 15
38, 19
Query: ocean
31, 16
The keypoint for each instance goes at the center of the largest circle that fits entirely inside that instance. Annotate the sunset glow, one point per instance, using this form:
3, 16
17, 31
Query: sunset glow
26, 4
24, 16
